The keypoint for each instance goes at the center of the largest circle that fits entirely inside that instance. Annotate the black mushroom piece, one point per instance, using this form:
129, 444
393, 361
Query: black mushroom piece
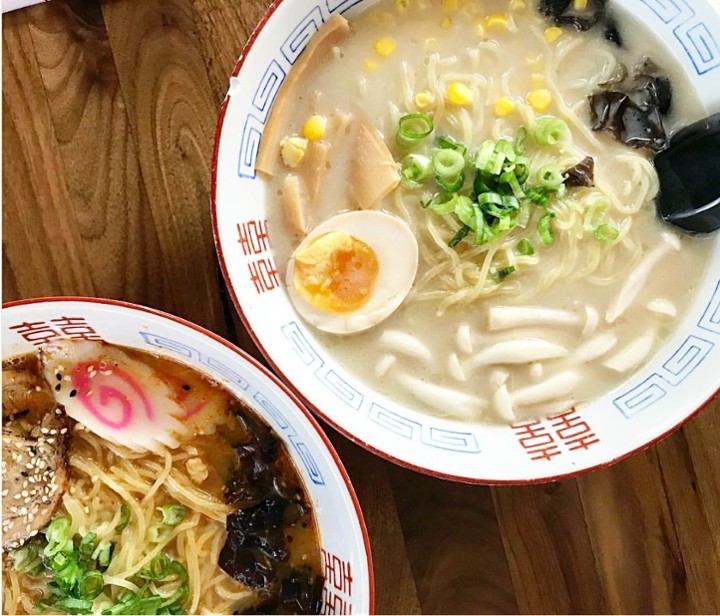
633, 110
582, 174
256, 551
594, 15
300, 593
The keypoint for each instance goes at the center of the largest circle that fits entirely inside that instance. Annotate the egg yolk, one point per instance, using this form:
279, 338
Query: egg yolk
336, 272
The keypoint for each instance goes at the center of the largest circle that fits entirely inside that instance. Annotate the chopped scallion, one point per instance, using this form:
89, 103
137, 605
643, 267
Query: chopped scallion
446, 142
459, 236
414, 170
545, 230
525, 248
500, 274
448, 164
173, 514
551, 130
58, 536
606, 233
550, 177
452, 184
412, 128
124, 516
157, 533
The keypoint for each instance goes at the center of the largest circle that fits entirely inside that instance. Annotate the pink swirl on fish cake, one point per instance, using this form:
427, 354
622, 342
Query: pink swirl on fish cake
100, 386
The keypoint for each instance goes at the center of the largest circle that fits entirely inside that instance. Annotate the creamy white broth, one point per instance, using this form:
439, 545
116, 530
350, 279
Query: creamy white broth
355, 80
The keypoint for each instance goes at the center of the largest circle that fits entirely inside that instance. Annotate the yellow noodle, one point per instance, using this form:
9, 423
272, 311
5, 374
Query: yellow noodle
113, 476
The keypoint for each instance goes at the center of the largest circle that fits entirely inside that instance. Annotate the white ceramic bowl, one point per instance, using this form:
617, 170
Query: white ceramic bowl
346, 550
680, 379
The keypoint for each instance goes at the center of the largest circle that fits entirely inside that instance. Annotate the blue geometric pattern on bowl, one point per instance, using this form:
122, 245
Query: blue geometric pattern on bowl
697, 40
691, 353
281, 421
422, 431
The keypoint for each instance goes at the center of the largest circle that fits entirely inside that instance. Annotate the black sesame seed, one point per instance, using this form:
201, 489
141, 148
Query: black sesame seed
57, 387
24, 474
73, 393
186, 387
58, 377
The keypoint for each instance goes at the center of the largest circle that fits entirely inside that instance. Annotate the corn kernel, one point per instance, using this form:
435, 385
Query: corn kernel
369, 65
517, 6
459, 94
424, 100
314, 128
445, 23
503, 107
580, 5
384, 46
450, 5
539, 99
293, 150
537, 80
552, 34
496, 22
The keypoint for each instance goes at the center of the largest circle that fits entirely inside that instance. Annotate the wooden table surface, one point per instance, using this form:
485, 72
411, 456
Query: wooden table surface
109, 111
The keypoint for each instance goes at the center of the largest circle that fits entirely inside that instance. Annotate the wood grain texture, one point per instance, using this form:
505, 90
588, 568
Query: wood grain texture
36, 204
109, 112
548, 549
454, 544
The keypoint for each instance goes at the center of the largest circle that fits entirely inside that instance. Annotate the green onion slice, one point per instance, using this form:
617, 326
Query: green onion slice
124, 516
545, 228
415, 169
173, 514
550, 130
500, 274
58, 536
88, 544
446, 142
525, 248
448, 164
453, 184
459, 236
412, 128
91, 585
606, 233
158, 532
550, 177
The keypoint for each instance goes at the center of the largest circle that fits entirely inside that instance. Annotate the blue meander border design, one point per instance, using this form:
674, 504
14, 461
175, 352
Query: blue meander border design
412, 429
698, 41
687, 357
282, 423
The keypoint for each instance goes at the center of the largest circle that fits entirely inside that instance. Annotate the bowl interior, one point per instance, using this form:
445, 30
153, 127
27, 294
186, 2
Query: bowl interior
343, 537
675, 384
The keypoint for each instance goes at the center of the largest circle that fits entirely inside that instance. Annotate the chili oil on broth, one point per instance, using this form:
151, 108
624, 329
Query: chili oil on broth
426, 355
106, 480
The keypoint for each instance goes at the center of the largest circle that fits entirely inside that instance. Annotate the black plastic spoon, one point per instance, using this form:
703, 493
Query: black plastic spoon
689, 171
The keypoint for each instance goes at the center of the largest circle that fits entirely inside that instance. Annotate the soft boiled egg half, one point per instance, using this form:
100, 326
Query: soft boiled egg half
352, 271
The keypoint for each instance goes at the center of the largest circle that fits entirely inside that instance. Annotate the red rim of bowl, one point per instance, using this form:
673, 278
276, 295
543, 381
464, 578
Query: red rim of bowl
265, 372
288, 382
